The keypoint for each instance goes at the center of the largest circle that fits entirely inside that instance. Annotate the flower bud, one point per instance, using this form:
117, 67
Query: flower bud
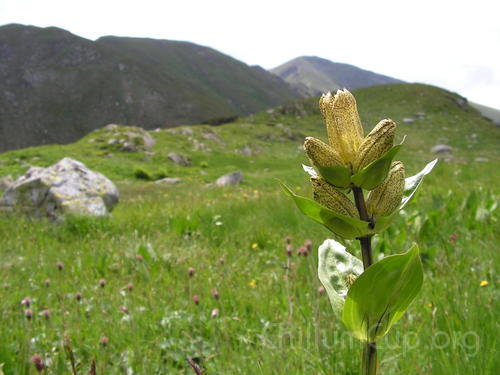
321, 154
384, 199
350, 279
326, 195
375, 144
343, 124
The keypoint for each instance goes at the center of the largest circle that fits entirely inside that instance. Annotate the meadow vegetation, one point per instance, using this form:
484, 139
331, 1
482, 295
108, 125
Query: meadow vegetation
192, 270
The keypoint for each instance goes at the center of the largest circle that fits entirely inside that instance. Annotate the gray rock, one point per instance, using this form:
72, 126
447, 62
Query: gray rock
420, 115
179, 159
186, 131
441, 149
212, 137
65, 187
408, 120
481, 160
233, 178
247, 151
6, 182
169, 181
129, 147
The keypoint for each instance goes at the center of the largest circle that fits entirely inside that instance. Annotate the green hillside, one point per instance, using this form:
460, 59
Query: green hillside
270, 318
55, 87
446, 119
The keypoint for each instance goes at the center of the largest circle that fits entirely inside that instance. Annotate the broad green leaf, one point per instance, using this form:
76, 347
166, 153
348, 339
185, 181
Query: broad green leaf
313, 174
336, 175
380, 296
376, 172
335, 266
343, 226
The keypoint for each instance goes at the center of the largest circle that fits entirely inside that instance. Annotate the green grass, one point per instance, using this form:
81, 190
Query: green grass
271, 318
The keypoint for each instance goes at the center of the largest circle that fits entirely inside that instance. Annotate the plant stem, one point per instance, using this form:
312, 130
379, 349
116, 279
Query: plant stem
369, 362
366, 243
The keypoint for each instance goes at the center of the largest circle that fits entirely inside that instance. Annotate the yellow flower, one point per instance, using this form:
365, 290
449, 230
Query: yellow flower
252, 283
345, 134
321, 154
385, 198
343, 124
375, 144
484, 283
332, 198
255, 245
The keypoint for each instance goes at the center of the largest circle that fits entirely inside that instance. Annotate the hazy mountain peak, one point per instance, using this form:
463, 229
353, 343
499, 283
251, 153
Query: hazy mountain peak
313, 75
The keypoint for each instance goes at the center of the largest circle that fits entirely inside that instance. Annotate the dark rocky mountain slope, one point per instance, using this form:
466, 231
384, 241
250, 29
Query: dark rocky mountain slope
55, 86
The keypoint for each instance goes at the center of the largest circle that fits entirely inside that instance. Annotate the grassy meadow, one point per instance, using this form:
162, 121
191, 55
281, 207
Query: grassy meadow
192, 270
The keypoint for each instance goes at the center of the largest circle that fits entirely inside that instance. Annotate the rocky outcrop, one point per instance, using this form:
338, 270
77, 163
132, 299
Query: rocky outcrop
65, 187
125, 138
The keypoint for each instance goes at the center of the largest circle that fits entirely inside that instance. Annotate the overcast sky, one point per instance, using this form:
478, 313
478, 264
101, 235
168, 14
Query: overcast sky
451, 43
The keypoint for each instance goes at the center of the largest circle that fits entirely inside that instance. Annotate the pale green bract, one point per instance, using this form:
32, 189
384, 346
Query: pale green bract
335, 265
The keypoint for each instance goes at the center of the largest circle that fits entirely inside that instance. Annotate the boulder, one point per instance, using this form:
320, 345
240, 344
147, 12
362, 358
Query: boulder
6, 182
233, 178
179, 159
169, 181
212, 137
441, 149
65, 187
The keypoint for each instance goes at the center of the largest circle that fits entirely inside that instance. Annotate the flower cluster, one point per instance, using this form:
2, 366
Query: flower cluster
350, 153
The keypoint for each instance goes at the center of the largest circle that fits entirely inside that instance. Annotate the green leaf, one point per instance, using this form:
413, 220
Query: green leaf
335, 265
343, 226
336, 175
381, 295
376, 172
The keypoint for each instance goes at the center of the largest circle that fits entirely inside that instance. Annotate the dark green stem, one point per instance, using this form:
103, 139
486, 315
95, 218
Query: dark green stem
366, 243
369, 362
369, 365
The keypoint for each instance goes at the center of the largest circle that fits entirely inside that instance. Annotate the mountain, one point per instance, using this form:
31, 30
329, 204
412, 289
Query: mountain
313, 75
55, 86
490, 113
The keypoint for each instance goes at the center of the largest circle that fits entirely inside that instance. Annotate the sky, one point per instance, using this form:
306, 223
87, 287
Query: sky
448, 43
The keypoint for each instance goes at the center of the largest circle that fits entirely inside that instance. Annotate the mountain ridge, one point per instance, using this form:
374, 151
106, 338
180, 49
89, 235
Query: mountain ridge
313, 75
56, 86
